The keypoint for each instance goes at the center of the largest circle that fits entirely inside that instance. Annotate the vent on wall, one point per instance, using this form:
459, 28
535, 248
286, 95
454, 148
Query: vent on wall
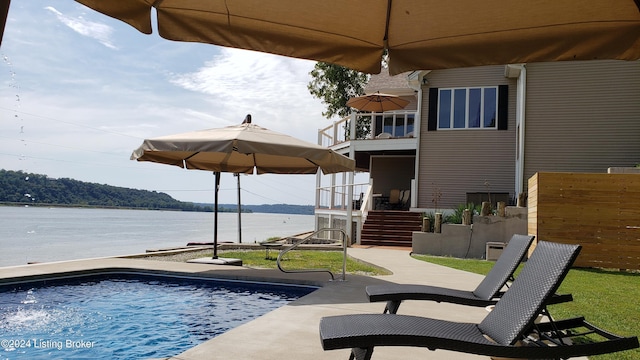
494, 250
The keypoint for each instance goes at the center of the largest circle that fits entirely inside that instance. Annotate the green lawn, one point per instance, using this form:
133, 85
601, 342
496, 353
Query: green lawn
607, 299
305, 259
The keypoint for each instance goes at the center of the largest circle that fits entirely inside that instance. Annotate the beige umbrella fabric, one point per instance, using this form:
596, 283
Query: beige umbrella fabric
418, 34
241, 149
377, 102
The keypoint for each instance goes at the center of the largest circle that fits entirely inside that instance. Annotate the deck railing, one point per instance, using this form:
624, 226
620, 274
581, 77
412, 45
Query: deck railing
396, 124
335, 197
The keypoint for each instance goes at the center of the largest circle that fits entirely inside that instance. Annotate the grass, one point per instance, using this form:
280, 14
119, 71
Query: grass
305, 259
607, 299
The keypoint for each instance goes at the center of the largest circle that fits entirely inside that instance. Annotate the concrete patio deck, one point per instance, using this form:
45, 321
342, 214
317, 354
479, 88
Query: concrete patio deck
291, 332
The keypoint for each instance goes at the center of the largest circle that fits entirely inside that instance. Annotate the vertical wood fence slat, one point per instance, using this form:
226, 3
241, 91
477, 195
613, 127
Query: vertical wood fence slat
599, 211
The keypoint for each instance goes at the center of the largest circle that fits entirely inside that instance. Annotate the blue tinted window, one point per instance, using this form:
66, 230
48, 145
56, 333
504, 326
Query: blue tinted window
475, 101
388, 124
399, 127
468, 108
410, 120
459, 108
490, 107
444, 119
378, 125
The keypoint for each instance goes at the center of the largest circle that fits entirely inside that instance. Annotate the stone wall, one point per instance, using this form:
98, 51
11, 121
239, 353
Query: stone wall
469, 241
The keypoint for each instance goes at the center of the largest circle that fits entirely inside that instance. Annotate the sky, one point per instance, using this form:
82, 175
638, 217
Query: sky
79, 91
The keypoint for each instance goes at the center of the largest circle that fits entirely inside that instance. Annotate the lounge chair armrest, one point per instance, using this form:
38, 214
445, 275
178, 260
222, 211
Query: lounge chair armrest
555, 299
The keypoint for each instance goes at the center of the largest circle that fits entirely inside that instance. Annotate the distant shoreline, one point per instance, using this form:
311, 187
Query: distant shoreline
80, 206
26, 189
224, 208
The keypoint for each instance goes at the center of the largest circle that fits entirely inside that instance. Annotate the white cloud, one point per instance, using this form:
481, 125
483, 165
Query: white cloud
85, 108
272, 88
98, 31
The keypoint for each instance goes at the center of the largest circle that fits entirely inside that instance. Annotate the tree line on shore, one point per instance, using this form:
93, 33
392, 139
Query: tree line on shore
21, 188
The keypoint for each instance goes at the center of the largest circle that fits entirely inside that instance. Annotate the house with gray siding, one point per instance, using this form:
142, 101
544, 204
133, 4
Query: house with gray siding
484, 131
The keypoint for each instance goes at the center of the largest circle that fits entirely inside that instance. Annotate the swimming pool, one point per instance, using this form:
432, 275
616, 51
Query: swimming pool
127, 316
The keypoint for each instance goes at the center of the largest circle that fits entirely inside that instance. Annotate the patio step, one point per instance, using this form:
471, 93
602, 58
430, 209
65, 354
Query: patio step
390, 228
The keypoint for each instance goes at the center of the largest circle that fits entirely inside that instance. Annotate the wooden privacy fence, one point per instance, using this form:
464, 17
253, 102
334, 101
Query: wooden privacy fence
601, 212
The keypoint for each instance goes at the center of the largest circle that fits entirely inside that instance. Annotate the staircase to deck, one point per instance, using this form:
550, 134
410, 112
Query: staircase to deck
390, 228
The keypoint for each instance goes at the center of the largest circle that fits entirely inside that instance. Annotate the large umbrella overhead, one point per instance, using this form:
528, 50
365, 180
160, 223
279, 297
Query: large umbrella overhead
377, 102
242, 149
418, 34
245, 148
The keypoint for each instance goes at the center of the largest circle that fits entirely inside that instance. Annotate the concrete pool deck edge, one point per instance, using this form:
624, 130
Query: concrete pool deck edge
291, 331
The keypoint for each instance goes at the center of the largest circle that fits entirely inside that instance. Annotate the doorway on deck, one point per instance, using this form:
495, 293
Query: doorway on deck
392, 178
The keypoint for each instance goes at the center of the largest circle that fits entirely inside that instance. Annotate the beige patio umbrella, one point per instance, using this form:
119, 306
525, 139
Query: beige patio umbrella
245, 148
418, 34
377, 102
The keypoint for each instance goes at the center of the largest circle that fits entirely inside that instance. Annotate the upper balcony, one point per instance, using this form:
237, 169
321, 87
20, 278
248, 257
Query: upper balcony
388, 131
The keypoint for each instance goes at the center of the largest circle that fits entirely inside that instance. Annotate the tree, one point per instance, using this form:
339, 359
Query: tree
335, 85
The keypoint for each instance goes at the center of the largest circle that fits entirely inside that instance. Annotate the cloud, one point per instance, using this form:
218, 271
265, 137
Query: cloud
75, 108
239, 71
272, 88
98, 31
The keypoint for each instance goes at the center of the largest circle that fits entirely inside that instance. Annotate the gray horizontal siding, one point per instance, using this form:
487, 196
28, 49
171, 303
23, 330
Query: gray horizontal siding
454, 162
582, 116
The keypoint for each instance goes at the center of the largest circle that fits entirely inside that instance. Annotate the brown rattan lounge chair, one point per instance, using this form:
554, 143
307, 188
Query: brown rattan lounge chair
486, 293
507, 331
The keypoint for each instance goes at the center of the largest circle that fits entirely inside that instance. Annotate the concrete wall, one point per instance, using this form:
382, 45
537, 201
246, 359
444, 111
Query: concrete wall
469, 241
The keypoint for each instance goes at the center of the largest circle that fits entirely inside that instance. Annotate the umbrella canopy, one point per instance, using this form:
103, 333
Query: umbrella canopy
242, 149
418, 34
377, 102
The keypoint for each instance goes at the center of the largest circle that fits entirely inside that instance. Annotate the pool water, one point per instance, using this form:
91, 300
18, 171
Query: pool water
128, 317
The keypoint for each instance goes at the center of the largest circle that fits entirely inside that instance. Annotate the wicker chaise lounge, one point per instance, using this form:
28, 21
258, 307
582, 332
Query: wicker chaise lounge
507, 331
487, 292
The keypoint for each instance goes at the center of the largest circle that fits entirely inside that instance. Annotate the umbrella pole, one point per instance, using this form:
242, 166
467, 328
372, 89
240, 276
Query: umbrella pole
239, 212
215, 215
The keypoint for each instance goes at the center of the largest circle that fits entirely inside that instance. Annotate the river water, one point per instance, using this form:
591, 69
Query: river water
38, 234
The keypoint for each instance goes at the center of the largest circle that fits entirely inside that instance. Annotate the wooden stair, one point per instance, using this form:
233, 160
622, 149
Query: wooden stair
390, 228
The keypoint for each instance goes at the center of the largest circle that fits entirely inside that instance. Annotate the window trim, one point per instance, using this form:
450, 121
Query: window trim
452, 113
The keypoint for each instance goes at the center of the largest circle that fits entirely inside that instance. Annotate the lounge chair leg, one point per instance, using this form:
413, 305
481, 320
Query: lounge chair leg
392, 307
361, 354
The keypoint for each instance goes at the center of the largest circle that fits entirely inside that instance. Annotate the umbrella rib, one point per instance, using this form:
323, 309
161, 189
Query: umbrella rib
184, 161
386, 27
192, 155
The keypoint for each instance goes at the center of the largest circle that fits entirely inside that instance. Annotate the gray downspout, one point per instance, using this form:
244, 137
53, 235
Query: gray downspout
417, 133
521, 103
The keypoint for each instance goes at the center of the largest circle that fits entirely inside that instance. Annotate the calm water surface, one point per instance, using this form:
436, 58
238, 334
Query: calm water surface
127, 317
37, 234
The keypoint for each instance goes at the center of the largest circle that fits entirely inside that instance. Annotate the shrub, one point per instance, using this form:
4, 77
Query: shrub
456, 217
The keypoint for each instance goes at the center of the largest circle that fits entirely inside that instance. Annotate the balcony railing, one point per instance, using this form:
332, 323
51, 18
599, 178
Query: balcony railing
392, 124
336, 198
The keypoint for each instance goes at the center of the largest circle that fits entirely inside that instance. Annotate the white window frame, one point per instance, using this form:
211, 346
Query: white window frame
466, 115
